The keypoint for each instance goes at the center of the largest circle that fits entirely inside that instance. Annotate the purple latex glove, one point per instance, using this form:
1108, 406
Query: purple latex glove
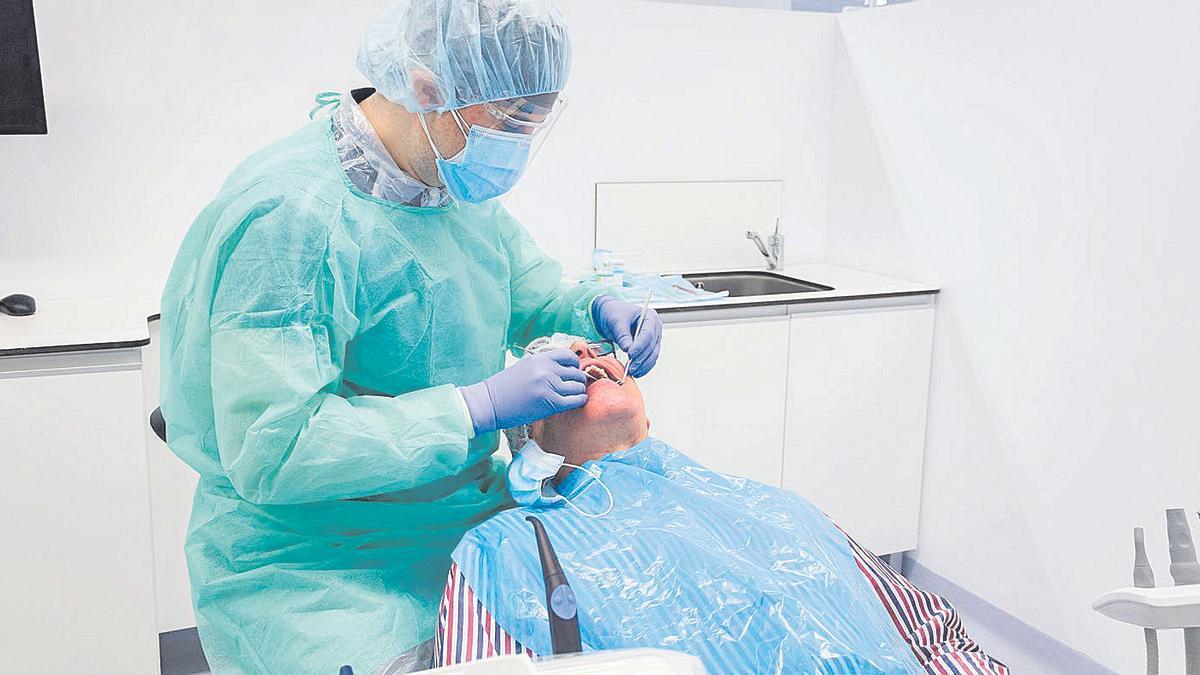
534, 388
616, 320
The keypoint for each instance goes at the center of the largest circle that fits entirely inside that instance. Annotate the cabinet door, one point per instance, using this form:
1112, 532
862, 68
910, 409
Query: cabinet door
717, 394
172, 485
857, 393
76, 560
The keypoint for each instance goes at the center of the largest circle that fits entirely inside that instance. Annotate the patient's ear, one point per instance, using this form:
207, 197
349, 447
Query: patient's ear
425, 89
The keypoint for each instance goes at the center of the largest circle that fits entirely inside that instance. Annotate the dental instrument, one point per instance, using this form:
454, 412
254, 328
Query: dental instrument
636, 329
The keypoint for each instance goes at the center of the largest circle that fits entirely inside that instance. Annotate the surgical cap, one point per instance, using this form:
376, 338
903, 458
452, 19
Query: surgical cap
465, 52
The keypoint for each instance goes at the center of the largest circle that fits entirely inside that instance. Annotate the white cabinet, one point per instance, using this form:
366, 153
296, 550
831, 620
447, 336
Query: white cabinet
718, 394
858, 384
76, 560
172, 485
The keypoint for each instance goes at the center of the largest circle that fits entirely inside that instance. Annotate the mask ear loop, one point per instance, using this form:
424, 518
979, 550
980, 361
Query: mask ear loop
595, 478
463, 128
462, 124
429, 137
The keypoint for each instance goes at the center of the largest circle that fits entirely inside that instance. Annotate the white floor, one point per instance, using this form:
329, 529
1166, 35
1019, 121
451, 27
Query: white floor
1014, 655
1021, 647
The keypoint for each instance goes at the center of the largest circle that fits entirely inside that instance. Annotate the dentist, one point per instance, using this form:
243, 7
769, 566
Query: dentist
334, 333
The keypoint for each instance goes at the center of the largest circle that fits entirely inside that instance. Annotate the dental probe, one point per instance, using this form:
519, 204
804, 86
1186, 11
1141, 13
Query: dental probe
636, 329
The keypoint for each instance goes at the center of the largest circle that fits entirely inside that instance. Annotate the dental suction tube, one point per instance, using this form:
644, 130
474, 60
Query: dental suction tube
560, 599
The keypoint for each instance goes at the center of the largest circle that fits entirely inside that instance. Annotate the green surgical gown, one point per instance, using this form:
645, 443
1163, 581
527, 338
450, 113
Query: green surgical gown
312, 338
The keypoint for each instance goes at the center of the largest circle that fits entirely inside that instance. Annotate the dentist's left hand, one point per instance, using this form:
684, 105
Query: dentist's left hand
616, 320
534, 388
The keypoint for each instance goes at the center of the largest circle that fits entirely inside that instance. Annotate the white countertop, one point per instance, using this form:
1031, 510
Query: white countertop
847, 283
78, 324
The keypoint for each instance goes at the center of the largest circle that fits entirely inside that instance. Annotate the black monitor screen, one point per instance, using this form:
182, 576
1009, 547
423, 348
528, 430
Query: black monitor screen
22, 109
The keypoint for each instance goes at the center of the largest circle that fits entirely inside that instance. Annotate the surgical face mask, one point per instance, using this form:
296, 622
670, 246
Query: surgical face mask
488, 166
529, 472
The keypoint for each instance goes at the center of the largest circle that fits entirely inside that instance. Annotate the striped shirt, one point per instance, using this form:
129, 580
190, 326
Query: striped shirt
466, 630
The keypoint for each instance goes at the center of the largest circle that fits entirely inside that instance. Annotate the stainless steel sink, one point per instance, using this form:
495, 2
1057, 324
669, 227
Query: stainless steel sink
743, 284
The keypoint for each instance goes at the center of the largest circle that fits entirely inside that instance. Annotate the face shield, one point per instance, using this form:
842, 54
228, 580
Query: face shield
533, 116
497, 148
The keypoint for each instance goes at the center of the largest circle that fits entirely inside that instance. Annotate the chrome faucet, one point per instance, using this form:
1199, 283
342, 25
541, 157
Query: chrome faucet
772, 250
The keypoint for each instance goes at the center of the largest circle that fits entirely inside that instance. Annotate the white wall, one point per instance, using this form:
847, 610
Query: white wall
151, 104
681, 92
1040, 161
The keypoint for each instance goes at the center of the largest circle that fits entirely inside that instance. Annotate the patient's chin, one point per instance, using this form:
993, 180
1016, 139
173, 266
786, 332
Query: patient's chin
598, 427
604, 408
609, 400
621, 410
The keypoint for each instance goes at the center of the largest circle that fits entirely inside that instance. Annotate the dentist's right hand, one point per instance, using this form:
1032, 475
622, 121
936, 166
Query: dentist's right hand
534, 388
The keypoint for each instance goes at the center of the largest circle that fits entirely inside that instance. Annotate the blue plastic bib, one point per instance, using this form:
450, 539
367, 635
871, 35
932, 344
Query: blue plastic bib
748, 577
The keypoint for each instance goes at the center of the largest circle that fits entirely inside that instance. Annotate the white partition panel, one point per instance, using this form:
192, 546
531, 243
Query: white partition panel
686, 225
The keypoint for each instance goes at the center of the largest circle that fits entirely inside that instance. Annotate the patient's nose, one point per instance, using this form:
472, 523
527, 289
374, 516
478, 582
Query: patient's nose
582, 350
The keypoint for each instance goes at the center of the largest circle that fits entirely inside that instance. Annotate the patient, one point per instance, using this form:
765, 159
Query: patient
661, 552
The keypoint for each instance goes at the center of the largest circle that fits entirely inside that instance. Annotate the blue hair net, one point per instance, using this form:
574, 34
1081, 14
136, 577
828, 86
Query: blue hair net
438, 55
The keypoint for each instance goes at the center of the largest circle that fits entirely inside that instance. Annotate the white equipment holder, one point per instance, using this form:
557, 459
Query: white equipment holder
1160, 608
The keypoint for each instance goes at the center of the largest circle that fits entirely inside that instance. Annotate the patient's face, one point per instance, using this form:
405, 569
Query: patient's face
613, 415
607, 400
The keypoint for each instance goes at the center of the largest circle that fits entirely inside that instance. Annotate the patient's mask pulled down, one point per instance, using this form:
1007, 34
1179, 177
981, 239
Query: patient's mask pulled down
532, 468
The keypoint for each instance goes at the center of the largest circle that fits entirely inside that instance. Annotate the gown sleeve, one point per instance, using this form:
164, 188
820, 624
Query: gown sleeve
281, 317
542, 302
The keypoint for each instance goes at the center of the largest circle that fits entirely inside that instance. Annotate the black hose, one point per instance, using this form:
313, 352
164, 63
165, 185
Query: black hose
560, 599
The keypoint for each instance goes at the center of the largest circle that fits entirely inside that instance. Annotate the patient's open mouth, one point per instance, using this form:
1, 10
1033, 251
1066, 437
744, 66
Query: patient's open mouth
597, 371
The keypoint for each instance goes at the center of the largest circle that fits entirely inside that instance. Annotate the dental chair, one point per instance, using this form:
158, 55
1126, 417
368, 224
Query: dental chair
564, 631
158, 425
568, 655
